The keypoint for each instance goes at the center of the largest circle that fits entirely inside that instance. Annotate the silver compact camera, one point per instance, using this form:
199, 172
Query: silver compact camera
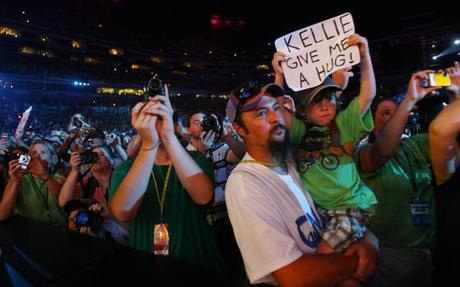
24, 161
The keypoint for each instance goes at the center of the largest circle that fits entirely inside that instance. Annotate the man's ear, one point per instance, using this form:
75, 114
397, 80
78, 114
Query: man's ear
240, 130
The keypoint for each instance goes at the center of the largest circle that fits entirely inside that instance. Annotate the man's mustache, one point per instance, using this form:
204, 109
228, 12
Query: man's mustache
278, 126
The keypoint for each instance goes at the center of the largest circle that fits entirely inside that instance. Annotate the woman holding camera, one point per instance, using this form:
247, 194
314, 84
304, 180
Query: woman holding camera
33, 188
95, 187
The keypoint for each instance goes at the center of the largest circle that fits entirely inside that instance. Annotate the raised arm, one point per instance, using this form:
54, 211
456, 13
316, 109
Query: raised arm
69, 189
198, 185
129, 194
444, 132
444, 146
389, 137
278, 58
368, 87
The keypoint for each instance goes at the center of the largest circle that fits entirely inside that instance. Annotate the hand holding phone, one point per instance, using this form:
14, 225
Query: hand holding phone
437, 80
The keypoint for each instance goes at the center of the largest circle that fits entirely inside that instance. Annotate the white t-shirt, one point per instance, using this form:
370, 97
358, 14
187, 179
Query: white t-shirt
272, 227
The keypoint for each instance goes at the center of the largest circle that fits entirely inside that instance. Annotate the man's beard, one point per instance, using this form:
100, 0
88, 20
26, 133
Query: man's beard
279, 149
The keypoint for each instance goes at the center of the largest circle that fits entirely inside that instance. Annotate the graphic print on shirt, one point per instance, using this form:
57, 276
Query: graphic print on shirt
313, 238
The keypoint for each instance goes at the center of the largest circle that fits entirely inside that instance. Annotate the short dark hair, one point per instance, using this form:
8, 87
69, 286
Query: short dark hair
239, 121
187, 120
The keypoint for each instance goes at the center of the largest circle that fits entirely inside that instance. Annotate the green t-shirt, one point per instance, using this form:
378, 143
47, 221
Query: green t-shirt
34, 200
392, 184
330, 174
191, 238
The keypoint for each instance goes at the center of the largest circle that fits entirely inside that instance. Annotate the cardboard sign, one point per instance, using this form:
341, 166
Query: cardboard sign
315, 52
22, 123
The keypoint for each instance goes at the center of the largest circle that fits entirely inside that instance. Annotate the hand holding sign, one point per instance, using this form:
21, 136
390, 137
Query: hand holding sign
314, 52
361, 42
278, 58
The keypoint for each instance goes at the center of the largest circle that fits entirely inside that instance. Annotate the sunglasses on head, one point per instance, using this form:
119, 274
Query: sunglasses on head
244, 94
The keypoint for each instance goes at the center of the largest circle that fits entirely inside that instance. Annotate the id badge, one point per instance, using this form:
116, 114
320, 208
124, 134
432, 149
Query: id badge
420, 213
160, 239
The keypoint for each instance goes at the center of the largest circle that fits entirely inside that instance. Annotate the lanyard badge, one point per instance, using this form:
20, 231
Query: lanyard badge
160, 231
160, 239
420, 213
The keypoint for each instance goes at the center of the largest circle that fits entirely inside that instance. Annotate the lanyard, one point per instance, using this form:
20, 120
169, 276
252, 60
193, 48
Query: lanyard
161, 201
409, 172
42, 197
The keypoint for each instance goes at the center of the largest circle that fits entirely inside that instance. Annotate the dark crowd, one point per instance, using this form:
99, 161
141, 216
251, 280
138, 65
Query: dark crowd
320, 187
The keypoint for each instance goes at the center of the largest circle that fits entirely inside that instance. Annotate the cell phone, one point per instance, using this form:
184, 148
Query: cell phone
437, 80
24, 161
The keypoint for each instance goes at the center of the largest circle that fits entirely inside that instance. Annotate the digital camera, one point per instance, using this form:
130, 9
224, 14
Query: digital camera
88, 218
153, 87
24, 161
210, 123
89, 156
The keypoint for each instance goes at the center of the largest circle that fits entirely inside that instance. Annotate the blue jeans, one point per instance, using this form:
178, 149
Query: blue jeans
402, 267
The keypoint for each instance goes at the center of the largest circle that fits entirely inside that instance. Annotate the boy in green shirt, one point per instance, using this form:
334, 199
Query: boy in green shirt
324, 140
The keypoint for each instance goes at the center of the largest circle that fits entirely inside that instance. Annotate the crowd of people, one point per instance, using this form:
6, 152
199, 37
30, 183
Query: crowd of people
285, 190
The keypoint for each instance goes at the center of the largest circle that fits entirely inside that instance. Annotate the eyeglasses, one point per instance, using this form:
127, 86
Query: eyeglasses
244, 94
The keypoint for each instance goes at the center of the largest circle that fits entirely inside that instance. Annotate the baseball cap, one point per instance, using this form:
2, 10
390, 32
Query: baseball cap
304, 97
246, 97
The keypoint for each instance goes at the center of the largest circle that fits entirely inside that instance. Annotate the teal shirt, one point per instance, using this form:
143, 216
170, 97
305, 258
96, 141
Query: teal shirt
392, 184
191, 238
331, 175
34, 200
